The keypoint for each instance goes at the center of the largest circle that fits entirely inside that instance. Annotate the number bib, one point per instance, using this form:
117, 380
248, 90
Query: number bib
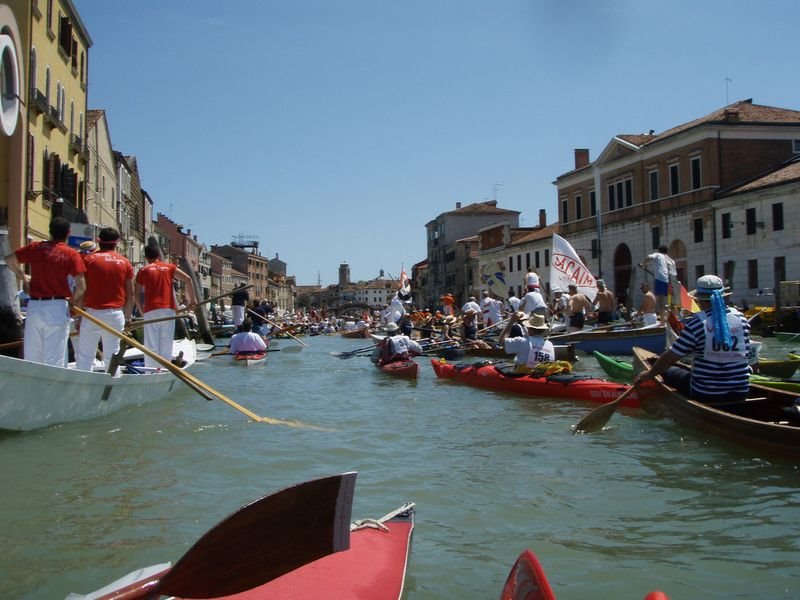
718, 351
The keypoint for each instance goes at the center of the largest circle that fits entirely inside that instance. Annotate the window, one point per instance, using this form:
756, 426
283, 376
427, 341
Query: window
547, 258
595, 248
32, 73
611, 199
727, 225
536, 259
510, 264
728, 268
698, 230
697, 182
655, 234
564, 211
527, 260
629, 192
674, 180
653, 175
519, 262
752, 274
777, 216
50, 15
699, 271
47, 85
779, 268
796, 146
72, 116
578, 211
592, 203
750, 222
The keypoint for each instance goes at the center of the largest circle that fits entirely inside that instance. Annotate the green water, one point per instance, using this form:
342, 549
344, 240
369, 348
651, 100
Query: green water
644, 505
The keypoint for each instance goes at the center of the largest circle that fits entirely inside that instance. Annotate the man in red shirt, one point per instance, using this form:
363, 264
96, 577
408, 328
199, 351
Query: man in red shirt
47, 318
154, 283
109, 298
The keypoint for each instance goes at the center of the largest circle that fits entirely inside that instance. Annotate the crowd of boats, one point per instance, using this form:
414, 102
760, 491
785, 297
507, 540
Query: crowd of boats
373, 555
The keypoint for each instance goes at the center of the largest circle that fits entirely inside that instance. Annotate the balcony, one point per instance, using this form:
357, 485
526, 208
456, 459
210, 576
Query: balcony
51, 117
38, 102
77, 146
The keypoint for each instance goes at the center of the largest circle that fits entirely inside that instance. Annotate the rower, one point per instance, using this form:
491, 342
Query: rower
532, 348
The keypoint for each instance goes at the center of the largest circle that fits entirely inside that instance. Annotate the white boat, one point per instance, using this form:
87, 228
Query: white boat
33, 395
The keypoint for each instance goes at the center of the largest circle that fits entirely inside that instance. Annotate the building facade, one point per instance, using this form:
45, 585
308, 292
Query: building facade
686, 189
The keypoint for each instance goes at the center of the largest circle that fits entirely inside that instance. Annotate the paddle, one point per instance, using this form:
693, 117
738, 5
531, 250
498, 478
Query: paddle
137, 324
14, 344
492, 326
286, 332
597, 419
189, 379
258, 543
352, 353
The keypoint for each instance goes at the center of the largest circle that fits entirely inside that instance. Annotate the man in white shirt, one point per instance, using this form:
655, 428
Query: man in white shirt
532, 348
533, 302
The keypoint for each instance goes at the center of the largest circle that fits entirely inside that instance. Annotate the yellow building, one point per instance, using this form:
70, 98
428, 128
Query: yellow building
55, 148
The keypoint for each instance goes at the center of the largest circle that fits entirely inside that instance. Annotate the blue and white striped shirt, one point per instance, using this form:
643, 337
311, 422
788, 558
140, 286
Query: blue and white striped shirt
716, 371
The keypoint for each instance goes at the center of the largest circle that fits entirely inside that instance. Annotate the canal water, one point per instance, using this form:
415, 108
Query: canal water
642, 505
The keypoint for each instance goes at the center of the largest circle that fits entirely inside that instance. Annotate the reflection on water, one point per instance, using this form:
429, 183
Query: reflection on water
642, 505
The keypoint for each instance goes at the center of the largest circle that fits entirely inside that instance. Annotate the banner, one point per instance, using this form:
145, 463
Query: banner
567, 268
493, 278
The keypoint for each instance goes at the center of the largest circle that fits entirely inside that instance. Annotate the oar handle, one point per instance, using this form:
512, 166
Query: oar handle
233, 291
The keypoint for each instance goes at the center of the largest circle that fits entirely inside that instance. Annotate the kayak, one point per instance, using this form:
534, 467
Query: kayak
250, 359
295, 544
527, 581
563, 385
623, 370
401, 368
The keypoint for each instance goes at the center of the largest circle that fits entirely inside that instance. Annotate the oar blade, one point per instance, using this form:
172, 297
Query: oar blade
266, 539
598, 418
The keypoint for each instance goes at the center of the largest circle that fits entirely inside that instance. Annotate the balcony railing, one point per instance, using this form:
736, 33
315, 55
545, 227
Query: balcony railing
38, 101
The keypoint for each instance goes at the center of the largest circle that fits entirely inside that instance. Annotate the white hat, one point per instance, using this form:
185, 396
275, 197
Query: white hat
707, 285
531, 279
557, 290
537, 322
390, 327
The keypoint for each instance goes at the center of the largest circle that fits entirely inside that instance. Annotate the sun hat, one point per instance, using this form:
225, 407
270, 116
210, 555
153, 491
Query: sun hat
706, 286
88, 247
449, 320
390, 327
537, 322
557, 290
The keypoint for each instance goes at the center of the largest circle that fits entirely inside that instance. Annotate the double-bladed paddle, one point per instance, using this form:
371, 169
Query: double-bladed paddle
597, 419
258, 543
353, 353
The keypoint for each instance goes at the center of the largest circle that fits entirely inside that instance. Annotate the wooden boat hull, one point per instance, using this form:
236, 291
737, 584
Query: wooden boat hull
401, 368
373, 568
617, 341
355, 334
250, 360
488, 377
770, 423
34, 395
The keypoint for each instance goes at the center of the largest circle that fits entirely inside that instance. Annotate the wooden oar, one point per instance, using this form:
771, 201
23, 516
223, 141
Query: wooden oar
8, 345
137, 324
187, 377
258, 543
287, 333
597, 419
233, 291
492, 326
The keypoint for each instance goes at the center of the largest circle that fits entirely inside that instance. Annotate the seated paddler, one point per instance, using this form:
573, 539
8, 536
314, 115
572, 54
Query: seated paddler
719, 339
247, 342
397, 346
531, 348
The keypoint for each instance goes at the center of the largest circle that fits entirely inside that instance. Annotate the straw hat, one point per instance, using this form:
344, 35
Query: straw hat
537, 322
88, 247
449, 320
706, 286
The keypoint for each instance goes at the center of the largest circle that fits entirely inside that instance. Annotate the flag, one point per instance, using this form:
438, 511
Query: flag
493, 278
687, 302
567, 268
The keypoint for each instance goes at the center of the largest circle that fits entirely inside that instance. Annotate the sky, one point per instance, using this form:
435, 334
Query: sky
334, 130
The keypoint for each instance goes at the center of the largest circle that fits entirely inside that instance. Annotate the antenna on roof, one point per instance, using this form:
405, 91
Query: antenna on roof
727, 81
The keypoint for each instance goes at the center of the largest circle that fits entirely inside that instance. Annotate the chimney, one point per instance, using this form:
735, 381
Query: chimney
731, 115
458, 205
542, 217
581, 158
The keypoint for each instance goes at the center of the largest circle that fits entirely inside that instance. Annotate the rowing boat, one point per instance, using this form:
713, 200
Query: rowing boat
623, 371
618, 340
250, 359
778, 368
292, 544
561, 386
34, 395
358, 334
767, 420
400, 368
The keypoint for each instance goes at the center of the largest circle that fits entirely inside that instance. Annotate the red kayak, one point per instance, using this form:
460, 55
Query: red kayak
401, 368
527, 581
562, 385
250, 359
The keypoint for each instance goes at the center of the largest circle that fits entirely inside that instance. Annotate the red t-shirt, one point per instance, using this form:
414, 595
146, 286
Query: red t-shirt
157, 278
51, 262
106, 275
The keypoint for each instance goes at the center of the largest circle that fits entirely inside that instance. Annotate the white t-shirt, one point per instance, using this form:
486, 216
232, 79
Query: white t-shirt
531, 302
530, 351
